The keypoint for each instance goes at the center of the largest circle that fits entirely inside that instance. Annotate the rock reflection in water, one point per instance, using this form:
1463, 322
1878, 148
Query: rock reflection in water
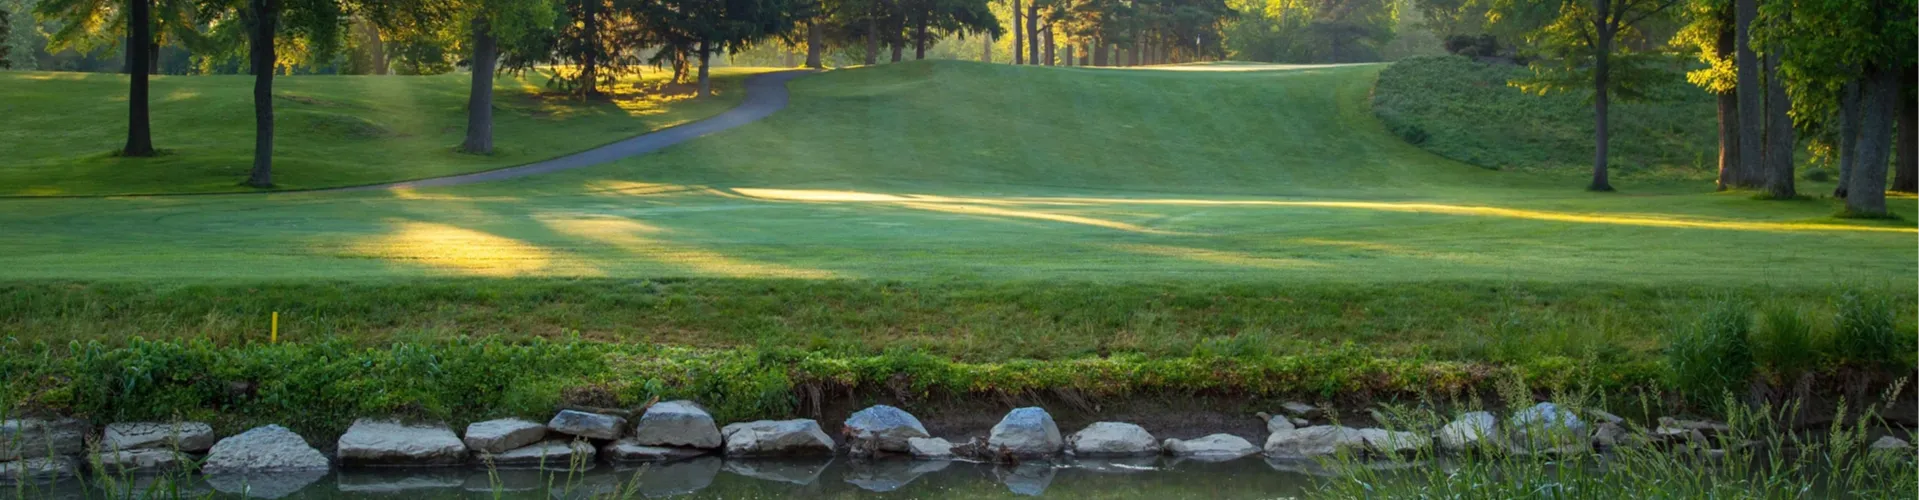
798, 471
1027, 478
265, 485
887, 475
399, 480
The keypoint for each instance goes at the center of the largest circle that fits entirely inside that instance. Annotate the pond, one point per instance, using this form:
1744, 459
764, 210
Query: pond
715, 477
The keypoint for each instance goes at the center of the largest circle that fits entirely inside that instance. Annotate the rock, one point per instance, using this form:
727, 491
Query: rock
1315, 441
630, 450
39, 438
776, 438
1299, 409
1604, 417
881, 428
34, 470
269, 448
500, 435
795, 471
1468, 433
1549, 429
1386, 442
367, 481
1211, 448
1610, 435
191, 437
1891, 444
1679, 436
887, 475
1027, 478
930, 448
677, 423
549, 454
1670, 426
1025, 432
1112, 439
275, 485
386, 442
1277, 423
1299, 422
587, 425
140, 460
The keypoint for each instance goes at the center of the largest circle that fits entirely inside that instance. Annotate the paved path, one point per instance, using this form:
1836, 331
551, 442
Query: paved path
766, 93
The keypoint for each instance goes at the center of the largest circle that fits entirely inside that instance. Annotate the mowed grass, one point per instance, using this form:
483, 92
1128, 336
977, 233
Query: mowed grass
63, 130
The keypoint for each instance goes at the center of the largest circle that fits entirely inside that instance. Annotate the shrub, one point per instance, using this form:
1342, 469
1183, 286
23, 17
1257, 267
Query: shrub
1714, 357
1864, 335
1784, 345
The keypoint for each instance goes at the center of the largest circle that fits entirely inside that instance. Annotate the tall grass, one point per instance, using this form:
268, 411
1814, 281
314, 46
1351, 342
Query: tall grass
1715, 356
1864, 332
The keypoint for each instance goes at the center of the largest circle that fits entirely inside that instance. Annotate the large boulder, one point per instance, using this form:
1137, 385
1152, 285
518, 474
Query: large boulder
1025, 432
1211, 448
629, 450
549, 454
587, 425
776, 438
269, 448
1547, 428
930, 448
500, 435
191, 437
35, 470
1112, 439
40, 438
386, 442
1315, 441
677, 423
881, 428
1471, 431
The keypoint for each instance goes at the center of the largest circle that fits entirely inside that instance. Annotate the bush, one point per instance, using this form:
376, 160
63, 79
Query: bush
1864, 335
1785, 344
1714, 357
1473, 46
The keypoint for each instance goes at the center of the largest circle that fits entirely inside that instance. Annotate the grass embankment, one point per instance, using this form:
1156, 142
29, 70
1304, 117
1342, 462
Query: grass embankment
63, 130
1465, 110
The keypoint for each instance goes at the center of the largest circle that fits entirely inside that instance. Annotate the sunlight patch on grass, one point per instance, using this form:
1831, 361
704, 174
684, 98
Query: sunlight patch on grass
962, 206
644, 239
1222, 257
463, 251
1515, 213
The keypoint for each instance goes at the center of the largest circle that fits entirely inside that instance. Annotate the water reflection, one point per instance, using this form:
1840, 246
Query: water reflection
713, 477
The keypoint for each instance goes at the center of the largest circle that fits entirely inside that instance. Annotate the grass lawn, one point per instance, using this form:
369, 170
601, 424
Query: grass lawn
63, 129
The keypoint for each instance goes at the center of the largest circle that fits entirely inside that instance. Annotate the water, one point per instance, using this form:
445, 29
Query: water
714, 477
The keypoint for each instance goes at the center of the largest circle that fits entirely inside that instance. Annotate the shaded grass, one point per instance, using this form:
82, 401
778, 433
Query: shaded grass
63, 130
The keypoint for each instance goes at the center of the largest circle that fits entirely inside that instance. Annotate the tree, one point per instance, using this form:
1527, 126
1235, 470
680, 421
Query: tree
1710, 30
709, 26
317, 24
1582, 46
1837, 43
488, 24
1748, 91
6, 35
90, 24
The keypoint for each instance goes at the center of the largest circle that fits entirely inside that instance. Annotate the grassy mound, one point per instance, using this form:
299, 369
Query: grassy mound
1466, 111
63, 129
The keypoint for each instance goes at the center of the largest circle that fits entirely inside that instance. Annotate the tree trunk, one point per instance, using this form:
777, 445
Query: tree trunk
816, 41
873, 40
153, 57
1602, 49
1779, 134
1867, 187
1729, 115
1019, 36
1904, 179
920, 38
1849, 134
1047, 55
706, 83
898, 50
986, 47
1067, 59
266, 18
1099, 53
1033, 32
590, 68
139, 121
1752, 114
480, 92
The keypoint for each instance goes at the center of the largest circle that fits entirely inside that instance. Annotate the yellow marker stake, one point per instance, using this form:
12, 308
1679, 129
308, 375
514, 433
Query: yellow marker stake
273, 335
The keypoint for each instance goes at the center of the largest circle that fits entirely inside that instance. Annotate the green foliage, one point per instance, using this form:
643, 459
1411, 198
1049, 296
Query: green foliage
6, 39
1864, 333
1464, 110
1715, 357
1785, 345
1310, 32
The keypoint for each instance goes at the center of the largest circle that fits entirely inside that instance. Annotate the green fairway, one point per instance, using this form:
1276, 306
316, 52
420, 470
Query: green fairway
62, 129
960, 170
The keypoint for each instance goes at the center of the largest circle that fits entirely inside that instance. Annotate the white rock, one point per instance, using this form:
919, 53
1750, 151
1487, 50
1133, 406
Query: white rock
1891, 444
630, 450
587, 425
34, 470
677, 423
191, 437
1277, 423
386, 442
1025, 432
269, 448
500, 435
1213, 448
1547, 428
34, 437
1113, 439
1299, 409
549, 454
1388, 442
144, 459
776, 438
1315, 441
1467, 432
930, 448
882, 428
